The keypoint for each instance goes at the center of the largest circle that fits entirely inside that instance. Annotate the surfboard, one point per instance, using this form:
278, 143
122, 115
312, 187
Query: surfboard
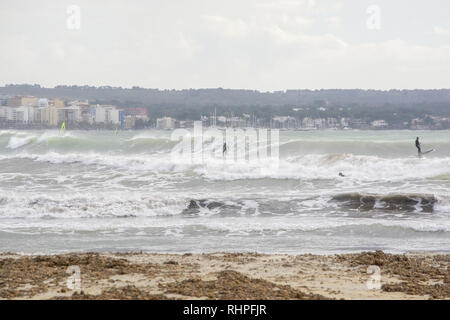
428, 151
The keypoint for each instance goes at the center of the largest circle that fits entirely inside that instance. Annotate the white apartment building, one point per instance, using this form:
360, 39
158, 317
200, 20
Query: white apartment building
43, 102
10, 113
112, 115
71, 114
320, 123
344, 122
308, 123
379, 124
26, 114
100, 114
16, 114
165, 123
284, 122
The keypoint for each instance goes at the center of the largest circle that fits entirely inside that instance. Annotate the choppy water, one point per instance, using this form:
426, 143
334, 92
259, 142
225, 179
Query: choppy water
98, 191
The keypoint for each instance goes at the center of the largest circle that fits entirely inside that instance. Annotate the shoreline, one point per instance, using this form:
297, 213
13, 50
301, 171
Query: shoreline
224, 275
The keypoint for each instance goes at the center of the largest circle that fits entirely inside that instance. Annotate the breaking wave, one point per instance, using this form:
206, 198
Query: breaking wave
308, 167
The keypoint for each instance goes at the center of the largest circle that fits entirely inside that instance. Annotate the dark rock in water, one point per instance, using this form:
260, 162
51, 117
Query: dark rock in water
194, 206
396, 202
356, 201
214, 204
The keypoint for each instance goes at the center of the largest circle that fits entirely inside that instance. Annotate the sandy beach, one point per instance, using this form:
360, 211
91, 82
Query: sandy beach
225, 276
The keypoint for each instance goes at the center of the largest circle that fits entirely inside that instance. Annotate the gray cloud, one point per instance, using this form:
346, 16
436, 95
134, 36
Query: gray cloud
265, 45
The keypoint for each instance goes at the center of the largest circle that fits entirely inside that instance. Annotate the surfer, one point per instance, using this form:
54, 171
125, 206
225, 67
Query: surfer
224, 148
62, 129
341, 174
419, 149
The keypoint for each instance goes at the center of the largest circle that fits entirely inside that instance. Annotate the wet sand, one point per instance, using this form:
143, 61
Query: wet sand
225, 276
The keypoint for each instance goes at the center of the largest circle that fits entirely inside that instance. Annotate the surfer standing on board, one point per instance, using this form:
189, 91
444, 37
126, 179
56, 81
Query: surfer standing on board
418, 146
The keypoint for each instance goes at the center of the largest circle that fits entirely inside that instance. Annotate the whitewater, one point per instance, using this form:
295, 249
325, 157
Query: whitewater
102, 191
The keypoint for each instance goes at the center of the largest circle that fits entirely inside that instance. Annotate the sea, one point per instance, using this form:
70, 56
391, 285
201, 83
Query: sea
103, 191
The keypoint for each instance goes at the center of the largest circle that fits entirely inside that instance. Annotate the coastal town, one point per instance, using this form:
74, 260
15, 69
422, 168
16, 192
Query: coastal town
23, 112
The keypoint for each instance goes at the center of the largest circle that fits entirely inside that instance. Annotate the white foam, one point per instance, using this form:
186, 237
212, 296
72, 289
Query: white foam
310, 167
88, 205
230, 226
19, 141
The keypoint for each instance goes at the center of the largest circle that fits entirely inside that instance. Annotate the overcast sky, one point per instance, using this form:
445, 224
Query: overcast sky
253, 44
